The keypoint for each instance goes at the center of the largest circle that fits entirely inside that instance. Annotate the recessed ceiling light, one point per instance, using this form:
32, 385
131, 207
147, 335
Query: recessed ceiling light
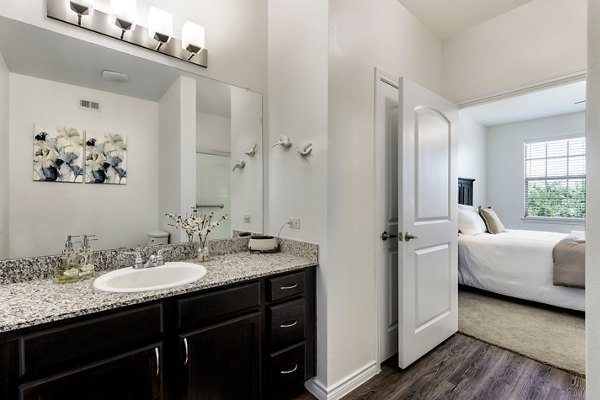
113, 76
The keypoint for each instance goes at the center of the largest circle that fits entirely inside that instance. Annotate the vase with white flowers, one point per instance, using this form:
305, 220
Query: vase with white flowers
200, 225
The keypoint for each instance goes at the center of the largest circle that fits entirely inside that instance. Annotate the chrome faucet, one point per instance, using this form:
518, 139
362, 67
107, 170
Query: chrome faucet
154, 260
160, 260
139, 262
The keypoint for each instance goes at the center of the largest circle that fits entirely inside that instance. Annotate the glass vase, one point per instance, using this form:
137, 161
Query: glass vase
203, 252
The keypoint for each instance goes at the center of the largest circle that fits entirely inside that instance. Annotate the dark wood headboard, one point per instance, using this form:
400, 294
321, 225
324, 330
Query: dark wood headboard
465, 191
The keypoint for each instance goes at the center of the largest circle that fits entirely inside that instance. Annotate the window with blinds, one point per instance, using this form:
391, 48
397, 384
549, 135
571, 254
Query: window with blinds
555, 178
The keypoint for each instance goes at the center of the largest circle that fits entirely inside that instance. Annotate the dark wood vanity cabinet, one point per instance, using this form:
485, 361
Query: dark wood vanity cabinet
134, 376
252, 340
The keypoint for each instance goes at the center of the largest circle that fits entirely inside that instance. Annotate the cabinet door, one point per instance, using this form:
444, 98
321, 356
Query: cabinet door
223, 361
131, 376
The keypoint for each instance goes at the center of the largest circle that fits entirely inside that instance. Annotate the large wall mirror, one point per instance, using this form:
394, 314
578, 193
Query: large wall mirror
83, 153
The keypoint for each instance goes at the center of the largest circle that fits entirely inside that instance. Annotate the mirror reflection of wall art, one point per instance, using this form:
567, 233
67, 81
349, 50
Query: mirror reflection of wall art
57, 154
105, 158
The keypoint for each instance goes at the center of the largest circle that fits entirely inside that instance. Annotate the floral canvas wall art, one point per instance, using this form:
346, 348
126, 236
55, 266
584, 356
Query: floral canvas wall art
105, 158
57, 154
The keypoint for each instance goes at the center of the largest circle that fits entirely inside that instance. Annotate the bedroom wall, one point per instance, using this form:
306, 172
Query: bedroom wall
592, 255
472, 155
537, 40
505, 166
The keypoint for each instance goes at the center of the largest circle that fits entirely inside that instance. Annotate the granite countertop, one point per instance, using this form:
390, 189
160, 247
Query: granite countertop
36, 302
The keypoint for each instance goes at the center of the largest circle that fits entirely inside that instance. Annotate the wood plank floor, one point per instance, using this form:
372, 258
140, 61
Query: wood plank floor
466, 368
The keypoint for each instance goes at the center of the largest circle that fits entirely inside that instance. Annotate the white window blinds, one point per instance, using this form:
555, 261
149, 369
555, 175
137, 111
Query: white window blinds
555, 178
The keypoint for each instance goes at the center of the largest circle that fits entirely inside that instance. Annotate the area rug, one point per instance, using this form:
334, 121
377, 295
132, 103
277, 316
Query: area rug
548, 335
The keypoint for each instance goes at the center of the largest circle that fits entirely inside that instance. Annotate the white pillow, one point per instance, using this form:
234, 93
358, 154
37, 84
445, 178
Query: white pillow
470, 222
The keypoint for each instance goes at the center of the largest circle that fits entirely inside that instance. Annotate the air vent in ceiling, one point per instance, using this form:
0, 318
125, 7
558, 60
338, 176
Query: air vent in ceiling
89, 105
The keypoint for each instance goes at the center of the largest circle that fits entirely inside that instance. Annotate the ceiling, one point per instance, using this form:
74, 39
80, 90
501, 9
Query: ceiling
448, 17
543, 103
41, 53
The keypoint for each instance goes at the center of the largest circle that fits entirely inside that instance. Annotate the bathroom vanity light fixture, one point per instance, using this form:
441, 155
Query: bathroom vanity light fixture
160, 26
120, 22
124, 13
81, 8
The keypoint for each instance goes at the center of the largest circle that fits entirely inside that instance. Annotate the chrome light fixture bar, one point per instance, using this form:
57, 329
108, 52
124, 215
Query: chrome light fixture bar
122, 27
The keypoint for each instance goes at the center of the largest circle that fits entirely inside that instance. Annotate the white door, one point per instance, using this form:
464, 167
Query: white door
427, 277
386, 210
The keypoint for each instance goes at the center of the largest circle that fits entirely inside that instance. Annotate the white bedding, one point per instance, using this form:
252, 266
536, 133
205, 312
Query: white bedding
517, 264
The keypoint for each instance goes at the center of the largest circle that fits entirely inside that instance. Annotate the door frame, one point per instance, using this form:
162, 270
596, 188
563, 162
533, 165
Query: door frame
379, 139
503, 93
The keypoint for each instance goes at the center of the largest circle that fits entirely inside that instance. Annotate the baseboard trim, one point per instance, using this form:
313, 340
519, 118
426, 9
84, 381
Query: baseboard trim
344, 386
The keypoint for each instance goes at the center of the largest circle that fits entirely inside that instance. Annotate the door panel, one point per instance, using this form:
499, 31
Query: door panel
427, 276
432, 140
432, 284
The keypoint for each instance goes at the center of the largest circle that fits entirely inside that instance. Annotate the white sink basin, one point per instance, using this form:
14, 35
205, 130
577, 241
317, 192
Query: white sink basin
170, 275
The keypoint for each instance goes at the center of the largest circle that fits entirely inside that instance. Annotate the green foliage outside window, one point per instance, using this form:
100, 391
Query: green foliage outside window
555, 199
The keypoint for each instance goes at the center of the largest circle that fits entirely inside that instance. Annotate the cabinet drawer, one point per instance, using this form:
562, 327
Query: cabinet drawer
285, 286
56, 348
287, 323
194, 311
287, 370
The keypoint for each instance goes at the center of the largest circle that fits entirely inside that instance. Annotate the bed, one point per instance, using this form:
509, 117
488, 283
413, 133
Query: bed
514, 263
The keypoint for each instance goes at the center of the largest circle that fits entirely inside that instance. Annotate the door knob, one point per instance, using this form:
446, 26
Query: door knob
386, 236
408, 237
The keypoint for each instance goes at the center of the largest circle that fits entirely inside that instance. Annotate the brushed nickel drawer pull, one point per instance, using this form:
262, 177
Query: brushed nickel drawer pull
289, 324
289, 371
187, 352
292, 286
157, 355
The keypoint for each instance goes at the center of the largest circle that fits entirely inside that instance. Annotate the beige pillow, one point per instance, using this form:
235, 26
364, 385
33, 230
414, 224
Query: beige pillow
493, 223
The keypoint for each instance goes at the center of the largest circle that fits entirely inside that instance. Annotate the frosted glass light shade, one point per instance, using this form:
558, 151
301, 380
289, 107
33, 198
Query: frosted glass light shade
160, 24
192, 37
125, 13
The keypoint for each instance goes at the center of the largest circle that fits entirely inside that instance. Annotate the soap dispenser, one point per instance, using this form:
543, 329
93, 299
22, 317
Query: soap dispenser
68, 270
87, 267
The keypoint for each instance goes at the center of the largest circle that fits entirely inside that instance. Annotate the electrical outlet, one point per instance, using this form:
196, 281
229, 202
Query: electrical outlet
294, 223
247, 219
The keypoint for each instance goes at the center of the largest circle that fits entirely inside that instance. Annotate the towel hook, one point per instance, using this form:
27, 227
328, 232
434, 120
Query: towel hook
240, 165
305, 150
283, 141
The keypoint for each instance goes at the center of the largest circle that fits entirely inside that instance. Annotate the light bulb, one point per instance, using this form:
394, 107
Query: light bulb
125, 14
160, 25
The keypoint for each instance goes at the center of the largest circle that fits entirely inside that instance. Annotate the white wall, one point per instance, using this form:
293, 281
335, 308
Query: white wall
177, 143
472, 156
4, 101
297, 187
246, 185
592, 256
342, 164
505, 166
58, 209
537, 40
236, 34
213, 132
